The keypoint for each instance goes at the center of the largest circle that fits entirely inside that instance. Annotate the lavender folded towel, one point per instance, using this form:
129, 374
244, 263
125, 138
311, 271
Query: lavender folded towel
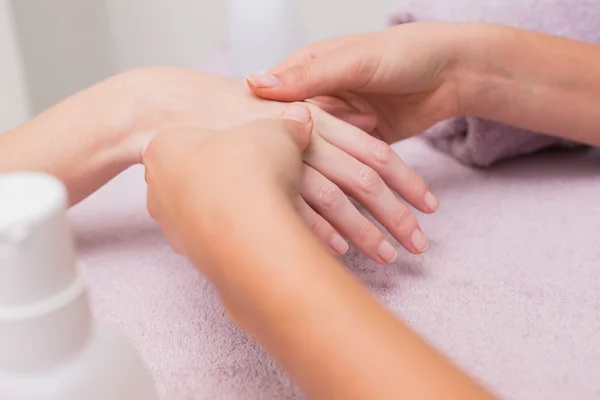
508, 289
479, 142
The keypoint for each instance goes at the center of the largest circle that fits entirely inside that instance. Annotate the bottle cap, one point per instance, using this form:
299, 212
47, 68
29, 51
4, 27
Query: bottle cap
44, 314
37, 259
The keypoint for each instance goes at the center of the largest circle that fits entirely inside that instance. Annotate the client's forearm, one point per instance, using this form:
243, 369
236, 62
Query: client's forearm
333, 338
531, 80
83, 141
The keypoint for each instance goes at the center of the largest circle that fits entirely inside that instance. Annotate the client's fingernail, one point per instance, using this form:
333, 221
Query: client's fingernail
297, 112
419, 240
263, 80
387, 252
431, 201
338, 244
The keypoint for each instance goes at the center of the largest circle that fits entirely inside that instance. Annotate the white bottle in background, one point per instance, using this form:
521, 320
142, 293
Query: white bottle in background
262, 33
51, 348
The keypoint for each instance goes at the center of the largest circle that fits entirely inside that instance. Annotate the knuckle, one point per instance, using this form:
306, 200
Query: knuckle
329, 196
297, 74
381, 152
358, 67
366, 231
368, 181
403, 217
317, 225
293, 128
413, 182
362, 69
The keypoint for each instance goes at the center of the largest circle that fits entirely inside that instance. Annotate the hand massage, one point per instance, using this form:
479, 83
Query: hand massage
260, 188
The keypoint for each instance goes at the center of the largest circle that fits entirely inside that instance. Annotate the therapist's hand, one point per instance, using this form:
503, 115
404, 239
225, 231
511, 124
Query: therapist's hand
222, 175
394, 83
340, 160
239, 229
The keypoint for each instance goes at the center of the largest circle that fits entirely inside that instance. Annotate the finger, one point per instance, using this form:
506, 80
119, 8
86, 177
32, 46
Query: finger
296, 121
312, 51
321, 228
379, 156
364, 122
346, 68
300, 113
333, 205
346, 112
367, 187
333, 105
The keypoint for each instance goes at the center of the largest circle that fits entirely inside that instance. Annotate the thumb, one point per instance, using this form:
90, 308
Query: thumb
275, 136
341, 70
301, 129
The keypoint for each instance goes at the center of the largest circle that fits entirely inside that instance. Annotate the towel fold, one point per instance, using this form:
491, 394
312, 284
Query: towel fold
479, 142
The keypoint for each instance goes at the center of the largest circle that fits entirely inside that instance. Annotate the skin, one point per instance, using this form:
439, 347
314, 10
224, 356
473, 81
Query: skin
443, 70
265, 162
114, 120
365, 352
411, 76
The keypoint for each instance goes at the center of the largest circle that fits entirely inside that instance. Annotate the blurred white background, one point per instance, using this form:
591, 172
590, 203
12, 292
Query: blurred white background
52, 48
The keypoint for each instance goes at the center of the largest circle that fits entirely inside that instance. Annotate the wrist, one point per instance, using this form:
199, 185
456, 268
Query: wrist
160, 98
485, 76
83, 141
470, 69
261, 285
247, 253
231, 233
118, 99
141, 118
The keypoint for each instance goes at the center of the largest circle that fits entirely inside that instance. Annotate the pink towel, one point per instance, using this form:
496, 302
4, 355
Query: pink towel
508, 288
479, 142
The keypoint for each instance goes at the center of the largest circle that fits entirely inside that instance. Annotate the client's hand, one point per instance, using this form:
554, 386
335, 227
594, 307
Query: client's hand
340, 159
195, 171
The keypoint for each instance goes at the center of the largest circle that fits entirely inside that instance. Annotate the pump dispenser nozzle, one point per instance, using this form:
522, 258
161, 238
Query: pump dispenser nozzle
51, 348
40, 286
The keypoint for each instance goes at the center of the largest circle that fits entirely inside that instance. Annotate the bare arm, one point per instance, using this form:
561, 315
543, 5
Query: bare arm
83, 141
239, 228
92, 136
531, 80
414, 75
328, 332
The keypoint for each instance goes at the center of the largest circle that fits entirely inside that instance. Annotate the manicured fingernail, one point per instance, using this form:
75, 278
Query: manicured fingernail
419, 240
297, 112
387, 252
263, 80
431, 201
338, 244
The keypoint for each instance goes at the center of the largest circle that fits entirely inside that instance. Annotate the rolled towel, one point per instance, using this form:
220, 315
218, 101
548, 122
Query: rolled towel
480, 142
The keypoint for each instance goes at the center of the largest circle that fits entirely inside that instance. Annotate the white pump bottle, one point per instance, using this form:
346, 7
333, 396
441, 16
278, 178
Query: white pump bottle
262, 33
51, 348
